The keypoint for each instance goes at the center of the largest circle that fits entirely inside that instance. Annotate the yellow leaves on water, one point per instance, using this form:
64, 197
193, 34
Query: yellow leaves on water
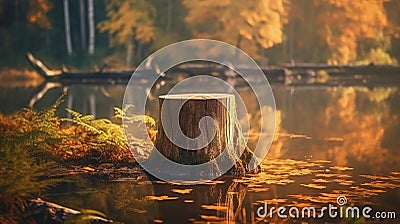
320, 180
314, 186
88, 169
323, 198
182, 191
160, 198
188, 201
211, 218
264, 178
158, 221
258, 189
322, 161
344, 182
355, 193
213, 182
376, 177
380, 185
382, 182
341, 168
272, 201
330, 175
223, 208
280, 171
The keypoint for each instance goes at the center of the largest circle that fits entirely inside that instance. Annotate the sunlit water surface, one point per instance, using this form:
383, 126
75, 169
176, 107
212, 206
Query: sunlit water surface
330, 141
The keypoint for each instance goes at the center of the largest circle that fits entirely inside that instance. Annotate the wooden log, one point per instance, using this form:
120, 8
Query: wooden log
219, 107
47, 212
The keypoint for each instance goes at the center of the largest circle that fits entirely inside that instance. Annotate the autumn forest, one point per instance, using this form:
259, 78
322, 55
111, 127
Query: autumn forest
86, 33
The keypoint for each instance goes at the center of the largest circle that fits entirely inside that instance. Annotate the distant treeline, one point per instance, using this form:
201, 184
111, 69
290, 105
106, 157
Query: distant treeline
85, 33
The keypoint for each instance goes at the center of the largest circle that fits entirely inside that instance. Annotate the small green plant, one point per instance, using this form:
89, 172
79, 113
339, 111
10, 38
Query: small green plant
26, 142
31, 143
101, 137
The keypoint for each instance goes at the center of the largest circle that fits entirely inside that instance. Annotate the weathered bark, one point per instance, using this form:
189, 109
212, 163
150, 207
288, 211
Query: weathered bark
228, 134
196, 107
67, 28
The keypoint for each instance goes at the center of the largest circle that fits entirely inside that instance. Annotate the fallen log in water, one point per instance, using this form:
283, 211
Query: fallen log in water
274, 74
122, 76
49, 212
101, 74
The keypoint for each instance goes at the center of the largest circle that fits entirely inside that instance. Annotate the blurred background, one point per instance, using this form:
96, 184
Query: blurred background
337, 127
88, 33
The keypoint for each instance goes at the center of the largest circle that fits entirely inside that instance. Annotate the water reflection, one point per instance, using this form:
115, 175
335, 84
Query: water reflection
124, 199
348, 126
330, 141
284, 182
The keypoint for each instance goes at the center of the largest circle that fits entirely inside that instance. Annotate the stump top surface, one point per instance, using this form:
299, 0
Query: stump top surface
196, 96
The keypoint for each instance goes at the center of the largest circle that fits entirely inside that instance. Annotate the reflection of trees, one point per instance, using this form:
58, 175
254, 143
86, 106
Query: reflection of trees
119, 200
346, 125
219, 201
234, 201
360, 116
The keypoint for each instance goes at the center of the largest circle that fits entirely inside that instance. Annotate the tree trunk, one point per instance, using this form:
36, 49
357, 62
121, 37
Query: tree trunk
221, 108
169, 18
195, 108
129, 51
82, 23
91, 27
67, 28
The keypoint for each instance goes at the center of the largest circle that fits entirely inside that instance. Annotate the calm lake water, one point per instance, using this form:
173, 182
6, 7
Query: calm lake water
331, 140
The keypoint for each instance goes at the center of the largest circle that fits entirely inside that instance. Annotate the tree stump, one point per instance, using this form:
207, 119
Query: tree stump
195, 128
203, 140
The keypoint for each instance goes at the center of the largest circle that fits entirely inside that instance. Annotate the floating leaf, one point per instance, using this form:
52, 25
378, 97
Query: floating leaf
341, 168
211, 218
215, 207
182, 191
314, 186
160, 198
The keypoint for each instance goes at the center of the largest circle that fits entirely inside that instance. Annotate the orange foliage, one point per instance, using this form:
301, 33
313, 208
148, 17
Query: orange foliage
251, 26
37, 13
362, 132
129, 19
345, 23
